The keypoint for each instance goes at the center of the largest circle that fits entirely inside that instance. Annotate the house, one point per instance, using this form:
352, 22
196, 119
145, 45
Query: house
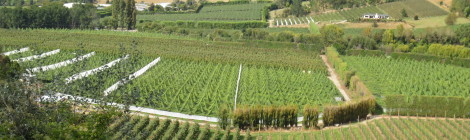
70, 5
375, 16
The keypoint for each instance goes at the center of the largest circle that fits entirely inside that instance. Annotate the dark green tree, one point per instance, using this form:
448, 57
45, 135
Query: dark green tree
296, 8
404, 13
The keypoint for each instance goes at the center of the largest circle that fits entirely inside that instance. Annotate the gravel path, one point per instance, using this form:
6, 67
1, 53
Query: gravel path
335, 78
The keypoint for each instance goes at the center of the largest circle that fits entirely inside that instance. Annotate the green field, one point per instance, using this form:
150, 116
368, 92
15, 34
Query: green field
384, 128
235, 12
421, 8
200, 88
193, 77
396, 76
169, 47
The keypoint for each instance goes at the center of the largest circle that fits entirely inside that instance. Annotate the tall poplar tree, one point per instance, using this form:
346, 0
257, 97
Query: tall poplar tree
124, 14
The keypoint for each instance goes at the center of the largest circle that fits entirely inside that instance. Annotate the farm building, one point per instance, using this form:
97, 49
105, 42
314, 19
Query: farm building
375, 16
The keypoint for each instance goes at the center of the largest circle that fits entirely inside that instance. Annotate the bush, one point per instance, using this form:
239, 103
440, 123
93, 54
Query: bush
451, 19
403, 48
420, 49
224, 113
449, 51
310, 114
362, 42
350, 111
365, 53
245, 117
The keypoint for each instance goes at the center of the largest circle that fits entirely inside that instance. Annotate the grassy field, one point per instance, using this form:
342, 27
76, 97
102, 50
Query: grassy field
422, 8
430, 22
235, 12
384, 128
396, 76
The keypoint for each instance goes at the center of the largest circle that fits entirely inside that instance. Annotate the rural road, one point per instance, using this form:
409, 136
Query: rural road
334, 77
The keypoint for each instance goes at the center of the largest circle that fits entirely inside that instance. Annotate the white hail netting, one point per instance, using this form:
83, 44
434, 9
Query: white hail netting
93, 71
16, 51
61, 64
60, 96
29, 58
131, 77
238, 85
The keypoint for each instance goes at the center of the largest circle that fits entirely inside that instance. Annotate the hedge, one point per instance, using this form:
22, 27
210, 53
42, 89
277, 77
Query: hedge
310, 116
347, 74
462, 62
211, 24
349, 111
245, 117
435, 106
365, 53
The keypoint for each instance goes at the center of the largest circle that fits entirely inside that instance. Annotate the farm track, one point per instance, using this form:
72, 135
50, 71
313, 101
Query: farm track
335, 78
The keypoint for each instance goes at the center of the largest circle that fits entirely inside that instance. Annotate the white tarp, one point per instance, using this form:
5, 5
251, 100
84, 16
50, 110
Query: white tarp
16, 51
60, 96
131, 77
93, 71
29, 58
60, 64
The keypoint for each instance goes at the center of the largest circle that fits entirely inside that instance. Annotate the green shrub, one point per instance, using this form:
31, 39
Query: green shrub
349, 111
310, 114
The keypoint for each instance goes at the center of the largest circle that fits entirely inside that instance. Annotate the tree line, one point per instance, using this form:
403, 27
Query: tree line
80, 16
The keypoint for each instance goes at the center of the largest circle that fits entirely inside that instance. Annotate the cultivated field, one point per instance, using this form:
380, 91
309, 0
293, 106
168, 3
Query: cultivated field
191, 85
422, 8
141, 128
384, 128
235, 12
437, 21
396, 76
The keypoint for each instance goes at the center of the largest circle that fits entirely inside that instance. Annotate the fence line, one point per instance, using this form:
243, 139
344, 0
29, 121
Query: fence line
93, 71
131, 77
60, 64
16, 51
29, 58
60, 96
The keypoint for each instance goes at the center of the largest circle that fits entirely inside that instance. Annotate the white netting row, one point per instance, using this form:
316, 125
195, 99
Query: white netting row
283, 22
60, 96
132, 76
16, 51
60, 64
29, 58
93, 71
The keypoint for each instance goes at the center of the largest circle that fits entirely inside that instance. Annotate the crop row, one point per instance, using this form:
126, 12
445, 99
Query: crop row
238, 12
140, 128
200, 88
166, 47
421, 8
386, 128
409, 77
